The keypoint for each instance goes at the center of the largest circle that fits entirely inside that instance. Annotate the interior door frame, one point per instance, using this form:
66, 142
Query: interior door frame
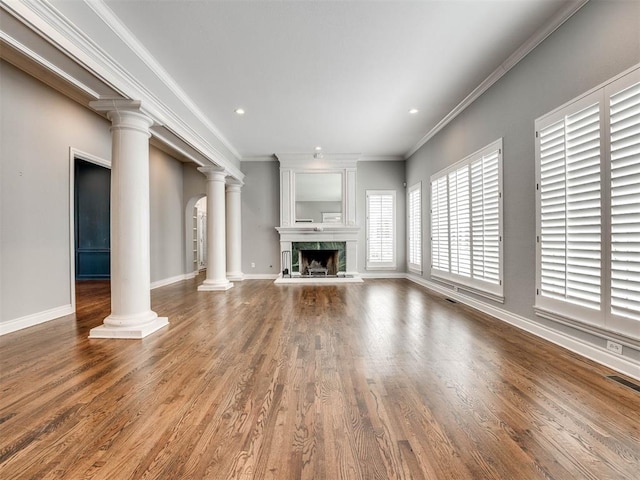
74, 154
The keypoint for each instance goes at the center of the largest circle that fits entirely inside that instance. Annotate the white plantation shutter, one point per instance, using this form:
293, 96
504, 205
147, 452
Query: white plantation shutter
588, 205
466, 223
440, 225
459, 226
625, 202
570, 207
553, 208
415, 228
381, 229
582, 132
485, 217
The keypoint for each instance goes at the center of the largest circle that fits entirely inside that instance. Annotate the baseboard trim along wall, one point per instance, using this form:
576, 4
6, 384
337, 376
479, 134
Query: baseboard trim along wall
168, 281
35, 319
600, 355
382, 275
260, 276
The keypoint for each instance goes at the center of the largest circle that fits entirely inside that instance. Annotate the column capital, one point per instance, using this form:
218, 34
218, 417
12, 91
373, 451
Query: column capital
234, 185
213, 173
124, 113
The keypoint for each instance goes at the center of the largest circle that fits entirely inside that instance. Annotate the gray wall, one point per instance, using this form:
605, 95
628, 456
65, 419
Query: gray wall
388, 175
261, 212
597, 43
260, 217
38, 126
167, 215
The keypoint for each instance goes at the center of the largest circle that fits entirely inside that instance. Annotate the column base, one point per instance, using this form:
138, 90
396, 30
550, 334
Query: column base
235, 276
129, 331
214, 285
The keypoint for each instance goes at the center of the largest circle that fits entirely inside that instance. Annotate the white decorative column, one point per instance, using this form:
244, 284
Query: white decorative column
131, 315
234, 230
216, 228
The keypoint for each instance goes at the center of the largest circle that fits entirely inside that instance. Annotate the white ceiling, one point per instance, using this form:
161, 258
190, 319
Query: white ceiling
341, 75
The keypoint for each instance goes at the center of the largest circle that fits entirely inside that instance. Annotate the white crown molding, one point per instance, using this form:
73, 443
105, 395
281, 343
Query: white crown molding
259, 158
53, 27
47, 65
382, 158
311, 161
536, 39
131, 41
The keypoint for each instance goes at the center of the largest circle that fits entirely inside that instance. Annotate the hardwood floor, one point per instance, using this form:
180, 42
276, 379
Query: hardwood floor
361, 381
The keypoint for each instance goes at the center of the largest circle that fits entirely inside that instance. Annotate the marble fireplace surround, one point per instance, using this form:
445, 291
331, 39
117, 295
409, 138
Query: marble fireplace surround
346, 231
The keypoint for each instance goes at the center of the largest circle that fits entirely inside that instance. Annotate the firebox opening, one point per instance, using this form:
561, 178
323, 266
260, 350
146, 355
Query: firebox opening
315, 263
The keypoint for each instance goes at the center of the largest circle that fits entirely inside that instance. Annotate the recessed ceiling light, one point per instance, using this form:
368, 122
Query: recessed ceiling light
318, 148
239, 111
413, 111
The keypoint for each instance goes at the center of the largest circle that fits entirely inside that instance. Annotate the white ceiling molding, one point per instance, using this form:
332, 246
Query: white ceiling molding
259, 158
48, 23
114, 23
536, 39
382, 158
47, 65
310, 161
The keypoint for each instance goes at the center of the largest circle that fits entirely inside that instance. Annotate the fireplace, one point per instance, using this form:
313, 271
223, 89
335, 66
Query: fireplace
316, 263
299, 238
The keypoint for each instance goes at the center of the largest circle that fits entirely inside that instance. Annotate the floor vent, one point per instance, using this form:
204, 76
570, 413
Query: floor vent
625, 382
450, 300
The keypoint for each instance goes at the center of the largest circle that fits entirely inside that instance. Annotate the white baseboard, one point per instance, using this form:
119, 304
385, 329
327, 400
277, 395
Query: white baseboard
35, 319
383, 275
168, 281
621, 364
260, 276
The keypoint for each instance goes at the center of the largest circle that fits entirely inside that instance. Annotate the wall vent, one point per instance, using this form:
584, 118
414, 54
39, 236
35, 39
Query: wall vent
625, 382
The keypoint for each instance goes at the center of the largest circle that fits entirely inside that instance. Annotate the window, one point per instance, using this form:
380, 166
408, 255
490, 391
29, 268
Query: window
414, 205
588, 208
381, 229
466, 222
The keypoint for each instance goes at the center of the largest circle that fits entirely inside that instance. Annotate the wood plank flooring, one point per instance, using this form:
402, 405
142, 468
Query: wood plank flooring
380, 380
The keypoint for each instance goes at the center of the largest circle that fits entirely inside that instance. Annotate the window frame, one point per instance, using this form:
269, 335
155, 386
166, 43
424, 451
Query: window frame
373, 264
493, 291
602, 319
414, 225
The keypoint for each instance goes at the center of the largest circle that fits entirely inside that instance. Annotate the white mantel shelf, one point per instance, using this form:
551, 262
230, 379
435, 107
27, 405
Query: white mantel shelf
318, 233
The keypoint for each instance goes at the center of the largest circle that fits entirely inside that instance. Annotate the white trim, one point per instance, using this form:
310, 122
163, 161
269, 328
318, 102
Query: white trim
414, 267
599, 355
382, 158
168, 281
297, 280
536, 39
374, 275
373, 265
87, 157
35, 319
47, 65
260, 276
129, 39
58, 31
